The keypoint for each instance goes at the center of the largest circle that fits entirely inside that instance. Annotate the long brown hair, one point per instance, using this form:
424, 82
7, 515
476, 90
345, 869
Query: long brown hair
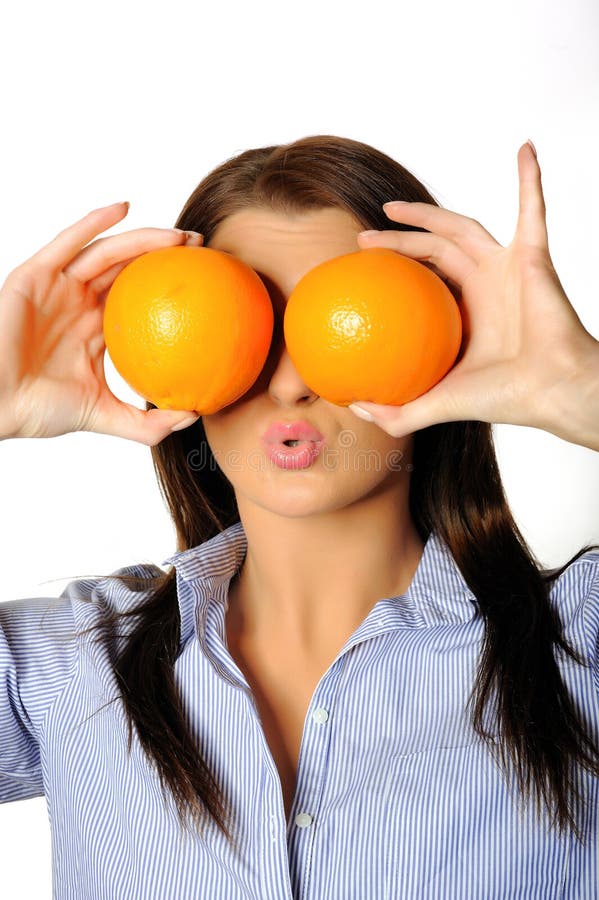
455, 490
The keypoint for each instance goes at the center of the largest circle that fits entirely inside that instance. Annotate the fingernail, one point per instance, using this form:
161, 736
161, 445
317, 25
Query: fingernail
185, 423
532, 147
190, 236
367, 233
393, 203
361, 413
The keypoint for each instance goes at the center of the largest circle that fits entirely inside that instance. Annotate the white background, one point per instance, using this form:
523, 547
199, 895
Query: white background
138, 101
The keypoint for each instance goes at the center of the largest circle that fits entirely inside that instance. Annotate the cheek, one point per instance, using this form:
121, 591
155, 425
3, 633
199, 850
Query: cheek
216, 430
391, 450
367, 448
229, 433
365, 434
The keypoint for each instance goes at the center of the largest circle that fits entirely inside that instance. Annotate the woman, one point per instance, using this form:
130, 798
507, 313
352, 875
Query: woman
355, 680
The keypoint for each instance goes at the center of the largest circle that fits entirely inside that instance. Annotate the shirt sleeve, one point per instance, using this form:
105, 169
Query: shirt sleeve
576, 592
38, 654
592, 615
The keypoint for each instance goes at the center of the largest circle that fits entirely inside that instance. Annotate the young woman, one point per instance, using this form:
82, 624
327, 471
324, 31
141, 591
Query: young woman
354, 680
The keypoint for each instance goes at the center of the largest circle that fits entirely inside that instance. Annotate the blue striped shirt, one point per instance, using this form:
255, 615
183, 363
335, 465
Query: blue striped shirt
395, 796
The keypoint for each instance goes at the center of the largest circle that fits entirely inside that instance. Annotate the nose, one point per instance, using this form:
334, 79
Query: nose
279, 376
286, 386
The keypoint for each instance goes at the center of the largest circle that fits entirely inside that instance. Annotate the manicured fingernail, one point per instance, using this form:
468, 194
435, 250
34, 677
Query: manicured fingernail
393, 203
190, 236
532, 147
361, 413
185, 423
367, 233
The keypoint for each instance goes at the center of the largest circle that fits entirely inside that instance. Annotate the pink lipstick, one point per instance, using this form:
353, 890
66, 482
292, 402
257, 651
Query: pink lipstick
292, 445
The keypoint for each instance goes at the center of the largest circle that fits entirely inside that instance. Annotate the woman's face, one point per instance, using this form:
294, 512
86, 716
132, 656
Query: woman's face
359, 458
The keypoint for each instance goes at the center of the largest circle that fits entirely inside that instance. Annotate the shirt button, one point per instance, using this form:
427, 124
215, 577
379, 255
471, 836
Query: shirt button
302, 820
320, 715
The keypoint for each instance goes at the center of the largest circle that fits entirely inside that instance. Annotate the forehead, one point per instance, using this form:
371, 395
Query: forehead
281, 244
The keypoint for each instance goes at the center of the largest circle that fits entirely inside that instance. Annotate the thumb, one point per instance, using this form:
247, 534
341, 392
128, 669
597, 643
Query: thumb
432, 408
145, 426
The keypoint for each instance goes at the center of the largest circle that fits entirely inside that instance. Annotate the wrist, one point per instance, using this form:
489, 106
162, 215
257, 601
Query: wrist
574, 412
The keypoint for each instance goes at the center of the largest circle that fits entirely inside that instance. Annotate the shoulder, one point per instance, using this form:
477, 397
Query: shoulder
40, 636
119, 591
575, 596
50, 615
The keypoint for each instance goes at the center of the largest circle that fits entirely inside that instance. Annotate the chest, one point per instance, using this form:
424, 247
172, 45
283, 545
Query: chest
282, 688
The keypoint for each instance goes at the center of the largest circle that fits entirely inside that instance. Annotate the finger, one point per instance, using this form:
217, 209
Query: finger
468, 234
442, 253
145, 426
104, 253
60, 251
432, 408
102, 283
532, 226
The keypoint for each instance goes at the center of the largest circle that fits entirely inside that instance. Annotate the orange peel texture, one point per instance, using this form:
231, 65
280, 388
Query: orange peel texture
372, 325
188, 327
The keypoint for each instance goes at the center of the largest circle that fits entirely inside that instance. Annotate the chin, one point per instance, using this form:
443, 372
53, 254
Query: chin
296, 501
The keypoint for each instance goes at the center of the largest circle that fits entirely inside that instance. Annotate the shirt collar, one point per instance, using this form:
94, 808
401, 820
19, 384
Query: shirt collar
438, 593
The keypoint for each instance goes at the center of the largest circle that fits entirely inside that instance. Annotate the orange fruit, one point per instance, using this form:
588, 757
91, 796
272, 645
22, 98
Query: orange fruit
372, 325
188, 327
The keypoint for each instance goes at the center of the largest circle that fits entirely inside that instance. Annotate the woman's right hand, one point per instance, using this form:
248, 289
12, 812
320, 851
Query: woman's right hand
51, 335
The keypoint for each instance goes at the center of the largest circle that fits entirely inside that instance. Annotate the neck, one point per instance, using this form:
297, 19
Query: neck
310, 581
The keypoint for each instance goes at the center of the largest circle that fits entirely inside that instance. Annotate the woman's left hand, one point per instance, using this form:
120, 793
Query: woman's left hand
526, 358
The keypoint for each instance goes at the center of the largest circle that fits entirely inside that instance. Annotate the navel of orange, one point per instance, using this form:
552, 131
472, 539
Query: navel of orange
372, 325
188, 327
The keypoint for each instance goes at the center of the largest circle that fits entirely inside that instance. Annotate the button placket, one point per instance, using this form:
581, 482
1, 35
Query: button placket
320, 715
311, 780
303, 820
311, 775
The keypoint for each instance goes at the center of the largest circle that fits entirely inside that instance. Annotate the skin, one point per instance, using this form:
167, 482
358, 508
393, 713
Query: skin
324, 543
528, 359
